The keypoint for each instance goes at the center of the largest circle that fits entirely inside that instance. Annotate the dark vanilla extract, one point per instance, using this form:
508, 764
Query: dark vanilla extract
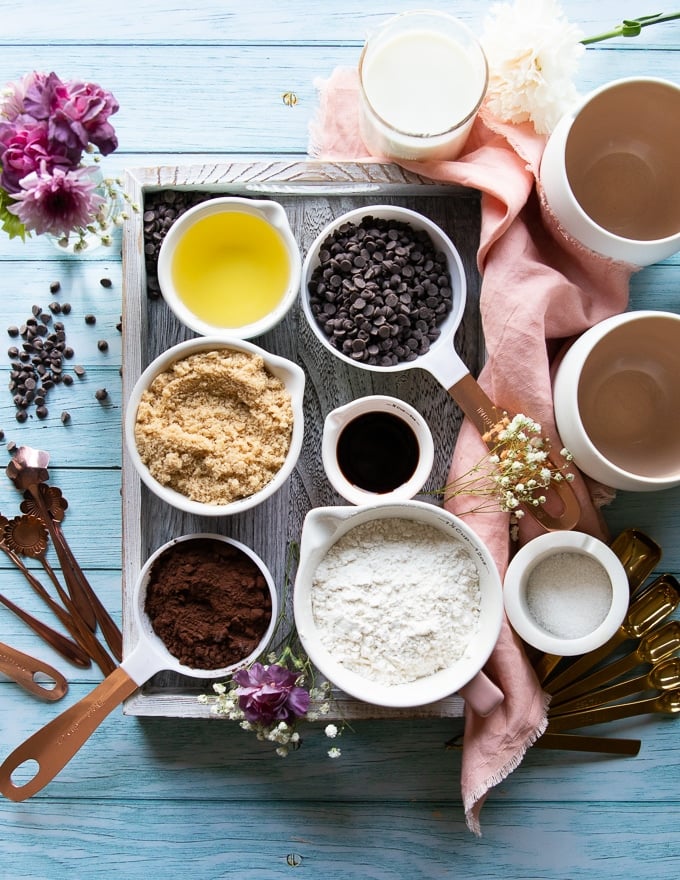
377, 452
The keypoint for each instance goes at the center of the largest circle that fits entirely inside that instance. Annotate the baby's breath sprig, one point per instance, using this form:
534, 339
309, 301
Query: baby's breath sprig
517, 471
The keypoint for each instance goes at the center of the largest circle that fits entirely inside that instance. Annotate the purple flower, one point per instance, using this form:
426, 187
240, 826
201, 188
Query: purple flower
56, 202
269, 693
44, 94
25, 147
81, 117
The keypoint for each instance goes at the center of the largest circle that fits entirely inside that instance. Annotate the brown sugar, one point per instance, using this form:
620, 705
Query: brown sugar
215, 426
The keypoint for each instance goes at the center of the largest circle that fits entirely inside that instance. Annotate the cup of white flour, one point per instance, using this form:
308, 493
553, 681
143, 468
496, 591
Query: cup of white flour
398, 604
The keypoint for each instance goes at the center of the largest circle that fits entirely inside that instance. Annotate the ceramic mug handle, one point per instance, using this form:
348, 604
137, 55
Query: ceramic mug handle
482, 695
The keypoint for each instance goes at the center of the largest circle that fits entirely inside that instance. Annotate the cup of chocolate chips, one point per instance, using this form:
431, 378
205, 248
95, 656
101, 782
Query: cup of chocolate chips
381, 286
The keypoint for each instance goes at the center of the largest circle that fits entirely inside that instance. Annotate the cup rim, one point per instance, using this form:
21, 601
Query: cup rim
231, 204
567, 122
474, 40
598, 332
290, 374
542, 547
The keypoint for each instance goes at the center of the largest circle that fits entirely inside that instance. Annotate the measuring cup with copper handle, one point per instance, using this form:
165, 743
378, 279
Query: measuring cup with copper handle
667, 703
33, 675
54, 745
646, 612
442, 360
663, 676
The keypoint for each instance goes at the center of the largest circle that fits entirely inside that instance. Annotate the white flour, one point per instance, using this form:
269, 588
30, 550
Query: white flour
396, 600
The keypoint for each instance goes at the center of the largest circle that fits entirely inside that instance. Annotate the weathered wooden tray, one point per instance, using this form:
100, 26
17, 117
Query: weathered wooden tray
312, 194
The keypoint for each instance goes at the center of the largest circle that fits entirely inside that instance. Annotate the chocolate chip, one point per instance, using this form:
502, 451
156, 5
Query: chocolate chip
103, 345
105, 282
13, 331
66, 308
79, 371
65, 417
55, 287
90, 319
101, 394
21, 415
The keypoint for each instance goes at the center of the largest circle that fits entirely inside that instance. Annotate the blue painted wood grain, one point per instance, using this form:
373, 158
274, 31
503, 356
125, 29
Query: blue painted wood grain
203, 798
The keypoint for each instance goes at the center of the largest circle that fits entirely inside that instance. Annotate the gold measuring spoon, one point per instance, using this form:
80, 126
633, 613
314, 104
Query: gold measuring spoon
652, 607
34, 676
52, 513
667, 703
663, 676
638, 554
659, 644
28, 536
575, 742
28, 471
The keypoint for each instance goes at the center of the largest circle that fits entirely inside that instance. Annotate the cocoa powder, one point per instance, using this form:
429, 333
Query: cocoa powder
209, 603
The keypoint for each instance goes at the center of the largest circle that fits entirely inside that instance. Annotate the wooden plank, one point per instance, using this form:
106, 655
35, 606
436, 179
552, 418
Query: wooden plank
338, 840
311, 193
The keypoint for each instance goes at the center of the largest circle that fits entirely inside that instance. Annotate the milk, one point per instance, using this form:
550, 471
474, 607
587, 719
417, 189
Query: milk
422, 82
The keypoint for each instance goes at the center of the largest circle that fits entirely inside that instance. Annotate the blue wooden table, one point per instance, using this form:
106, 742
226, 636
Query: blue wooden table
202, 83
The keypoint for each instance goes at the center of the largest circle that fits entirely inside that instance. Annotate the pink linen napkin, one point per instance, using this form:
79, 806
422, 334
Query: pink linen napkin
539, 288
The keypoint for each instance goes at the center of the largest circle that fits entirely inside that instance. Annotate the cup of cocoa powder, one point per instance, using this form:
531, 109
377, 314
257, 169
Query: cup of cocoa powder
209, 602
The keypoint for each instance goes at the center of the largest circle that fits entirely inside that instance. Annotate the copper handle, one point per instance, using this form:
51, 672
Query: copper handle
54, 745
64, 646
484, 414
23, 669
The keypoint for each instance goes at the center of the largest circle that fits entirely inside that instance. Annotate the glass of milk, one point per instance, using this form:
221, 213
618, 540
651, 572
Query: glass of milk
423, 76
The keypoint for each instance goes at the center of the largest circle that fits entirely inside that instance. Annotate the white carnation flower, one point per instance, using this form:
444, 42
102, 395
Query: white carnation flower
533, 54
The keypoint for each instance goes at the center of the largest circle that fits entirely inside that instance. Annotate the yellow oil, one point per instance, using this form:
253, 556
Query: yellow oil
231, 269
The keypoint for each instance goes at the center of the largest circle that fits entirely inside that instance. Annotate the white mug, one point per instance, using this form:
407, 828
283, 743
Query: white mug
610, 171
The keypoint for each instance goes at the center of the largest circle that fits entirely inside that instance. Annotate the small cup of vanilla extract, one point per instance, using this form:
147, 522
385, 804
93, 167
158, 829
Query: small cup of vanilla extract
376, 448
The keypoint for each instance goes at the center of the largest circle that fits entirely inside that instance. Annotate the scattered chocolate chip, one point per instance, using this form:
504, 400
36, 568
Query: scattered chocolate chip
66, 308
11, 446
101, 394
21, 415
55, 287
90, 319
42, 412
13, 331
79, 371
55, 307
67, 379
65, 417
105, 282
103, 345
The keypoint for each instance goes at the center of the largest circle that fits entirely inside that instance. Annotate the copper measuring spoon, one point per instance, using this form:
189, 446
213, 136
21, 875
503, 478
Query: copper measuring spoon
667, 703
663, 676
657, 645
639, 554
54, 745
53, 509
27, 535
79, 656
68, 649
34, 676
28, 471
653, 606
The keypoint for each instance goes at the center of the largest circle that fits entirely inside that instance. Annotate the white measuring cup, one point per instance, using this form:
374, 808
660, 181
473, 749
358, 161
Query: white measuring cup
53, 746
442, 360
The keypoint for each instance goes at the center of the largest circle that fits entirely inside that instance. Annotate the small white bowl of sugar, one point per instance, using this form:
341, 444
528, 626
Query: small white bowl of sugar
566, 593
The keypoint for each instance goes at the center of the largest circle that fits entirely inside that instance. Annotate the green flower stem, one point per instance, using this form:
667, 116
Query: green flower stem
632, 27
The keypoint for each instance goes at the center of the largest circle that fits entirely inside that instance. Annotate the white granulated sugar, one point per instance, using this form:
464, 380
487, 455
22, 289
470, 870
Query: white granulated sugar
395, 600
569, 594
